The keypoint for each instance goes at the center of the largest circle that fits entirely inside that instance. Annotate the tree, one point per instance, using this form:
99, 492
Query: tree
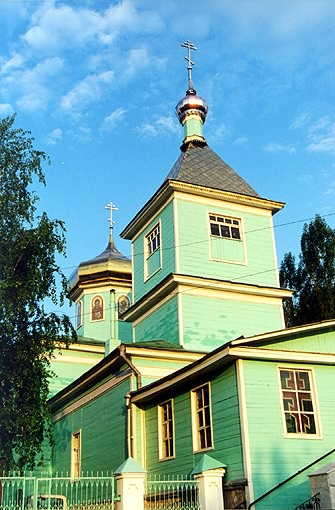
313, 278
29, 274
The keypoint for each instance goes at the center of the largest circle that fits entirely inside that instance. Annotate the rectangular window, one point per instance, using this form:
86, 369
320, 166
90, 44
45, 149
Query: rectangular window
297, 397
76, 455
152, 251
201, 412
165, 423
153, 239
223, 226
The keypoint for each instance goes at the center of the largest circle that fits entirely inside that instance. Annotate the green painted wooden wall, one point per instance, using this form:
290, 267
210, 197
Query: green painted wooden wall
209, 321
275, 457
102, 423
141, 285
194, 244
226, 430
102, 330
162, 323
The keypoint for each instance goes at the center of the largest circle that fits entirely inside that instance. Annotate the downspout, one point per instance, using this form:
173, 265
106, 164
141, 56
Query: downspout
129, 438
290, 478
112, 314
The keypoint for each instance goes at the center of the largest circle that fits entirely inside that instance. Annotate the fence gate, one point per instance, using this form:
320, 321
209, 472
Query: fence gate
57, 493
167, 493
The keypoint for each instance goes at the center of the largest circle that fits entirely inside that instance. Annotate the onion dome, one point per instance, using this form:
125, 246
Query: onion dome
192, 109
109, 267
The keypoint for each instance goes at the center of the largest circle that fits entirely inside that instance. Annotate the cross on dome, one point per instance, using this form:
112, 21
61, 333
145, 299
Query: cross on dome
111, 207
190, 46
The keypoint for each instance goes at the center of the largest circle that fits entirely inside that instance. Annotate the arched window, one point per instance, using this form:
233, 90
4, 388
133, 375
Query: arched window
123, 303
97, 308
79, 314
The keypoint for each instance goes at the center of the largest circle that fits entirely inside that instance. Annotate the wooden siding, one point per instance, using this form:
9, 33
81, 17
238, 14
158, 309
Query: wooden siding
141, 285
226, 431
101, 330
102, 423
162, 323
209, 322
194, 249
318, 342
275, 457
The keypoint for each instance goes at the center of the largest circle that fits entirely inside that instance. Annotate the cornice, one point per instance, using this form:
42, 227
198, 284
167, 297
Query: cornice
170, 186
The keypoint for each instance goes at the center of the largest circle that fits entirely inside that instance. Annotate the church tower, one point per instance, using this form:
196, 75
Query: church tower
205, 266
101, 290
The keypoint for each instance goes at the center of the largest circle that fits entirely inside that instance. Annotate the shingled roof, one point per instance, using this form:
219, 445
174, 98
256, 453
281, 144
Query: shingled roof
199, 164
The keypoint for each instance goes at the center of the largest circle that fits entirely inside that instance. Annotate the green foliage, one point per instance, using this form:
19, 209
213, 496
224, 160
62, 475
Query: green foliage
313, 278
28, 273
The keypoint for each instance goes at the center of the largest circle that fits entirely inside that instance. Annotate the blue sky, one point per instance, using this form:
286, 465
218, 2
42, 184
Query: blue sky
97, 83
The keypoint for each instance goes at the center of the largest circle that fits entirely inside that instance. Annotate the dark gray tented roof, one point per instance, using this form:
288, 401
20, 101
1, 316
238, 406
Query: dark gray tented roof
200, 165
110, 254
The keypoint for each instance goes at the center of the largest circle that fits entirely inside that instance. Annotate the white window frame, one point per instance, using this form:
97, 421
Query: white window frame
229, 222
76, 454
148, 252
197, 428
151, 239
315, 412
162, 437
79, 316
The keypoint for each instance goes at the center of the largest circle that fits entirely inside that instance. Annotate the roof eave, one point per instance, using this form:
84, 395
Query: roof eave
171, 185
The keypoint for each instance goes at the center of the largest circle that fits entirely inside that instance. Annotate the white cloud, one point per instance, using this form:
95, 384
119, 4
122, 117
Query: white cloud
34, 85
276, 147
330, 191
86, 91
55, 136
300, 121
322, 136
6, 109
60, 26
63, 26
12, 63
158, 127
111, 120
242, 141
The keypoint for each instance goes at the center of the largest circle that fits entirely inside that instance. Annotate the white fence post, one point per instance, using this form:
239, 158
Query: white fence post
130, 482
209, 473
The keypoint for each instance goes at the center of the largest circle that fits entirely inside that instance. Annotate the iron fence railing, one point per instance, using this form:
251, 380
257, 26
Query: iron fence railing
171, 493
311, 503
91, 492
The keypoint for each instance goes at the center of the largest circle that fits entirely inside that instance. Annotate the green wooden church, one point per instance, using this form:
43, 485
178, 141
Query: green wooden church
183, 363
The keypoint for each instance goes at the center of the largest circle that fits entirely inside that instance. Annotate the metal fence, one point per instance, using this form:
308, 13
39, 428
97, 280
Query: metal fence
175, 492
57, 493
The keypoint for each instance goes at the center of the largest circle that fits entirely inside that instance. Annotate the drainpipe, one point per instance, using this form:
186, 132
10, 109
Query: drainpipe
112, 314
129, 437
122, 351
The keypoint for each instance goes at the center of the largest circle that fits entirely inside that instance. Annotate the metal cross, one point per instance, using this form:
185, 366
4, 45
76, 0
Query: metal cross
190, 46
111, 208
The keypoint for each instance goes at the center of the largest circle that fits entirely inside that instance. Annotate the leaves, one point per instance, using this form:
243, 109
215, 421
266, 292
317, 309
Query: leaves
313, 279
28, 275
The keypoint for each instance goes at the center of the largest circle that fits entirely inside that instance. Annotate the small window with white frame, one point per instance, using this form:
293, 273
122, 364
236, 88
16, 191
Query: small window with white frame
79, 314
76, 454
152, 251
166, 430
225, 226
153, 239
298, 402
201, 418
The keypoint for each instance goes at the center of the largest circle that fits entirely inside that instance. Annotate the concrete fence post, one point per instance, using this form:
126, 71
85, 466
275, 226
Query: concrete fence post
130, 485
209, 474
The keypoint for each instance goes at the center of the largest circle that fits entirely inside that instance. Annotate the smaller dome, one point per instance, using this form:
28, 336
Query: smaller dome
191, 104
109, 266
